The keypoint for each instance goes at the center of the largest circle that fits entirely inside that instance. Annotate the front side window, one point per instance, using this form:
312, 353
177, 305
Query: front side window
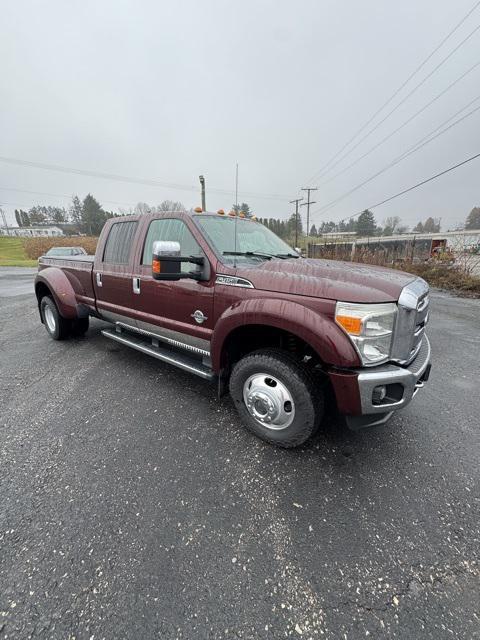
119, 243
171, 229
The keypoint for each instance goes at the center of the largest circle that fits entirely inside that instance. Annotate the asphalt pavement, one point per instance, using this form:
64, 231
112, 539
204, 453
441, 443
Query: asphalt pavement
134, 505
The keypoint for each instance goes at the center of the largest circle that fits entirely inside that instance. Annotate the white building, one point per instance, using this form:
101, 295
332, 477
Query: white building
32, 232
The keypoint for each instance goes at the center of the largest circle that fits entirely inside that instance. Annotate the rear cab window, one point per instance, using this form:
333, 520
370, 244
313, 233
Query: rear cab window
119, 244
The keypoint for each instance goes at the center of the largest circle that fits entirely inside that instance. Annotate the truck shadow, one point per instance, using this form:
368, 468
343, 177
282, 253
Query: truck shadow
333, 438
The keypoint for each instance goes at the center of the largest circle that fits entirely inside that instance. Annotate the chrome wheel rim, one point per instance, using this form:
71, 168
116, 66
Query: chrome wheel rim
268, 401
49, 319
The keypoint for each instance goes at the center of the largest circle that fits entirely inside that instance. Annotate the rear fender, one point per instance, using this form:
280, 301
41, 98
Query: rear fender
61, 290
319, 331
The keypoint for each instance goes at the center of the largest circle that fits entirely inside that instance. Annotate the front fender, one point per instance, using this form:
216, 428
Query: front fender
318, 330
61, 290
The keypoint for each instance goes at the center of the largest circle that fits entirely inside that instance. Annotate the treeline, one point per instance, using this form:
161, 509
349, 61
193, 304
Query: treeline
364, 225
84, 216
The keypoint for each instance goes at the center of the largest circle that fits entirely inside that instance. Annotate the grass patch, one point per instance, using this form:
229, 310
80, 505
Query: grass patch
12, 253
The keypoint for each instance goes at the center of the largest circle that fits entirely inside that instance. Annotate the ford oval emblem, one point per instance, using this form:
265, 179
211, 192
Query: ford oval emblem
199, 317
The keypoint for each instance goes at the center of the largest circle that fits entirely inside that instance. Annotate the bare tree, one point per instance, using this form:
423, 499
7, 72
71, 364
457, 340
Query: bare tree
169, 205
142, 208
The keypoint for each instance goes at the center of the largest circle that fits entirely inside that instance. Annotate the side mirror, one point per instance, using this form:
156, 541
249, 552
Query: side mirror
166, 263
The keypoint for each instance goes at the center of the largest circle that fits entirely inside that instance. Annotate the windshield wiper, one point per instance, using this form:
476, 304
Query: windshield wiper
254, 254
284, 256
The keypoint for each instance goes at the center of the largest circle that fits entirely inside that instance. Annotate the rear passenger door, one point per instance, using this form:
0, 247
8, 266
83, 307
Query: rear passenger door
113, 273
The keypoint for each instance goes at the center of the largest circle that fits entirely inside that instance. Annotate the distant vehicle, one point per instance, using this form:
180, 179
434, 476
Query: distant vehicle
66, 251
224, 298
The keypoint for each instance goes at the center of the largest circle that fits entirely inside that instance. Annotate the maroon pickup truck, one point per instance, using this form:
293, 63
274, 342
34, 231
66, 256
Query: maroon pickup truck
223, 297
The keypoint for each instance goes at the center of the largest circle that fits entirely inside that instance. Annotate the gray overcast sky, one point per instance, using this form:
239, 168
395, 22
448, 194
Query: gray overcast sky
169, 90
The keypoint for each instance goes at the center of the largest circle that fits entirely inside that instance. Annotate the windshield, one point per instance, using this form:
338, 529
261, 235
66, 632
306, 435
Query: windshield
252, 238
58, 251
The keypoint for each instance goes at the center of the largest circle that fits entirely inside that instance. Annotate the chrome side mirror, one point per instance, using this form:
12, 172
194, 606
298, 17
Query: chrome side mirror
166, 262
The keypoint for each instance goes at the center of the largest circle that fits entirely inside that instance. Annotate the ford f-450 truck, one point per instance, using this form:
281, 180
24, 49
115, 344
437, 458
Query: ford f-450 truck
224, 298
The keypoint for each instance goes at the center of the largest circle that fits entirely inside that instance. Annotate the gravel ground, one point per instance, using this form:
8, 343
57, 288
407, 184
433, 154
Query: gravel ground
134, 505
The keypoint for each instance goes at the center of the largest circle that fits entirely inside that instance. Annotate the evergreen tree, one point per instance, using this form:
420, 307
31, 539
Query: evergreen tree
57, 214
18, 218
366, 224
93, 216
25, 218
473, 219
313, 231
432, 225
244, 208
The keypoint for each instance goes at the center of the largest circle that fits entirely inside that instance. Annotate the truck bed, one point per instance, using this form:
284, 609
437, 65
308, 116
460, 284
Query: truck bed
52, 260
79, 271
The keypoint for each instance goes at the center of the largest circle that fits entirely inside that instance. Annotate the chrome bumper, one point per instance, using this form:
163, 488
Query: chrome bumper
401, 384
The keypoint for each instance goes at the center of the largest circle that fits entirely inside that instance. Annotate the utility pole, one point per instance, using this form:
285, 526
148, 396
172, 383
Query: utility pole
202, 183
296, 219
308, 203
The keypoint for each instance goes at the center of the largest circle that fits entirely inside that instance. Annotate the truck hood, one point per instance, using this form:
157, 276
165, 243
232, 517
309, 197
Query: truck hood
333, 280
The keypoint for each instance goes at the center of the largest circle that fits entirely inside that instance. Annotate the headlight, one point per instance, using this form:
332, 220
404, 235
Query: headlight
369, 327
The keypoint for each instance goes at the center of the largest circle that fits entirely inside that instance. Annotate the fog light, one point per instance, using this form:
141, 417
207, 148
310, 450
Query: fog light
379, 394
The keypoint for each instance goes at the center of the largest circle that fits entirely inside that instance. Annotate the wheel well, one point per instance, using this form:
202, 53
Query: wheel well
41, 290
252, 337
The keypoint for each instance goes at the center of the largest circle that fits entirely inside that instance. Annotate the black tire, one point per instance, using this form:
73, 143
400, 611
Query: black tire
307, 395
57, 327
80, 326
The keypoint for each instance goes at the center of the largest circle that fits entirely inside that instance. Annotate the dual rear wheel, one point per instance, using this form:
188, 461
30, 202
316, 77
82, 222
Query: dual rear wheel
57, 326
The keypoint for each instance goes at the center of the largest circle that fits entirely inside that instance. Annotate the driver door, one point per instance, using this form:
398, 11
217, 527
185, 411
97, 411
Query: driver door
169, 308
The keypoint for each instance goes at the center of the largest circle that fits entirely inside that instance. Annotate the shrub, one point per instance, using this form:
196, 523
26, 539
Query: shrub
36, 247
445, 276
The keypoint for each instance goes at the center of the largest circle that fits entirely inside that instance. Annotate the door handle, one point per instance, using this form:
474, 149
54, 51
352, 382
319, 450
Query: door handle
136, 285
99, 279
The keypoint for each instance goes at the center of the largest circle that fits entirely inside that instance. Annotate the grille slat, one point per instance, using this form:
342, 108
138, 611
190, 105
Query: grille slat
412, 318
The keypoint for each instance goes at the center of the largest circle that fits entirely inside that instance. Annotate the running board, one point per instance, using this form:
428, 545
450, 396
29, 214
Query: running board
180, 360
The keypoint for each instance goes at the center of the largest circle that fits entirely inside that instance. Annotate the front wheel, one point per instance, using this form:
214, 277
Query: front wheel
57, 327
277, 397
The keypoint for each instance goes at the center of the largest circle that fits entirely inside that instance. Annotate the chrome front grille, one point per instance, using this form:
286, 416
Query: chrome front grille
412, 317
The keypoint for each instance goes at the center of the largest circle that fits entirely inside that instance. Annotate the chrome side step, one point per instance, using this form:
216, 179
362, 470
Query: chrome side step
169, 341
180, 360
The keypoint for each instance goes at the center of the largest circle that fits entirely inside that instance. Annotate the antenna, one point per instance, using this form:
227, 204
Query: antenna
236, 216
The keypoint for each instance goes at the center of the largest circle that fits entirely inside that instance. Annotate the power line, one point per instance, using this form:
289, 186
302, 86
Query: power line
402, 86
433, 135
404, 124
130, 180
60, 195
368, 134
415, 186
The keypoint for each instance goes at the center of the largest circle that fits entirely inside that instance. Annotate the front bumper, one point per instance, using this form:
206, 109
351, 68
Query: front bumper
400, 385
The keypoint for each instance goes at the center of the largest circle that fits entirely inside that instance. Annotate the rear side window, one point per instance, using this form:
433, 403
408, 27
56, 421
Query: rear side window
119, 243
